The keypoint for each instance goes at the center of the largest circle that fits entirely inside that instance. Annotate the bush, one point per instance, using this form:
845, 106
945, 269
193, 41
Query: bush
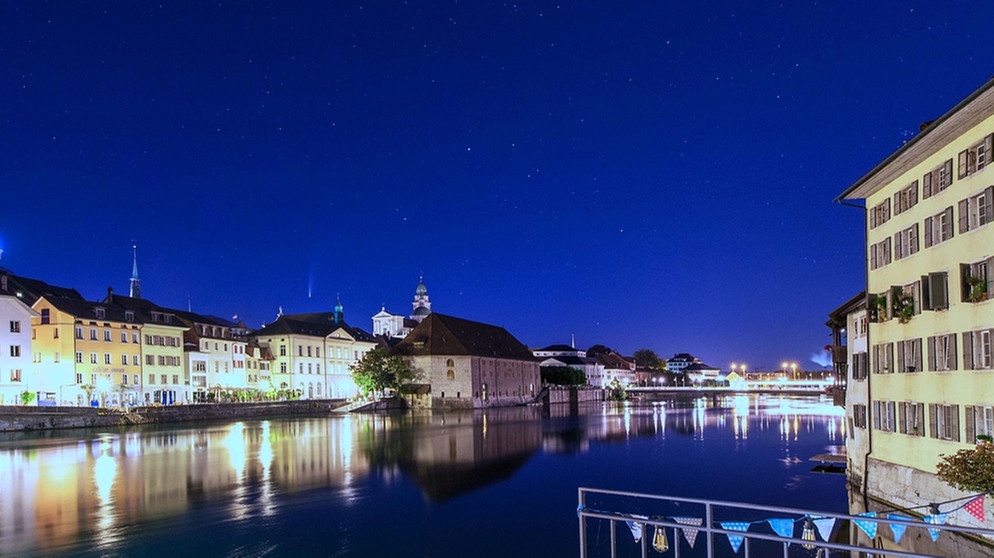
970, 470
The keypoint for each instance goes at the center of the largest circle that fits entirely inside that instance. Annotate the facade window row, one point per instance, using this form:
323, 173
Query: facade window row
977, 353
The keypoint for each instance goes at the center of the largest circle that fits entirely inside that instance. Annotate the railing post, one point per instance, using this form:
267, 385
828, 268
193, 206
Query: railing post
583, 523
614, 539
709, 518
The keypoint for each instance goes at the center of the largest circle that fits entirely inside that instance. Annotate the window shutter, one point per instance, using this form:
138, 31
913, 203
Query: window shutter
971, 425
918, 354
990, 277
964, 272
928, 231
913, 239
913, 195
961, 167
931, 353
887, 210
951, 357
948, 172
988, 148
947, 225
955, 435
968, 350
926, 185
938, 286
900, 357
887, 258
964, 216
933, 426
926, 294
919, 418
902, 417
898, 245
876, 415
988, 205
873, 256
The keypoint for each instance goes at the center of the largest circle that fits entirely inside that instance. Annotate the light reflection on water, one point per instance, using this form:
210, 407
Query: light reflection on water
441, 482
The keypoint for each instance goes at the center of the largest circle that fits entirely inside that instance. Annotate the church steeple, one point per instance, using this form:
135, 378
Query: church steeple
421, 304
136, 283
339, 310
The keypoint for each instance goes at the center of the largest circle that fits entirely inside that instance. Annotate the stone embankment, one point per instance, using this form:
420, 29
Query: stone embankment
16, 418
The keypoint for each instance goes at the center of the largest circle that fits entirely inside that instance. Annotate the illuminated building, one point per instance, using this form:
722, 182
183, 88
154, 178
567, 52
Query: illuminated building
17, 355
929, 248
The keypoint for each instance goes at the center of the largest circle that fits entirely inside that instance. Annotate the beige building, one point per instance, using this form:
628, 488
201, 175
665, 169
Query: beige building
466, 364
929, 249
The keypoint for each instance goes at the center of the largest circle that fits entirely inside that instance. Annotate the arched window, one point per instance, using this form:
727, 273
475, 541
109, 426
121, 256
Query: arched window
450, 363
451, 374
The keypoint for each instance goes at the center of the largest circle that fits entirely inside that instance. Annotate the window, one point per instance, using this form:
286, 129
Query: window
977, 349
129, 316
942, 352
136, 379
944, 421
859, 415
282, 368
880, 214
100, 312
200, 366
107, 335
906, 242
979, 422
124, 379
134, 337
134, 361
46, 316
93, 358
939, 227
79, 358
15, 375
880, 253
975, 158
911, 417
150, 360
976, 210
282, 350
175, 378
15, 351
79, 377
162, 378
93, 334
883, 416
860, 364
15, 326
883, 358
976, 280
124, 337
909, 355
107, 358
938, 179
935, 291
906, 198
79, 333
124, 360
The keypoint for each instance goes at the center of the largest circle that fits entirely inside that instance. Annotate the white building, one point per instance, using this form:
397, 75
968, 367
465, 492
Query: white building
16, 356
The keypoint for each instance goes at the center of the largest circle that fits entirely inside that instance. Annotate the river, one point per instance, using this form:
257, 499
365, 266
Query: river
486, 483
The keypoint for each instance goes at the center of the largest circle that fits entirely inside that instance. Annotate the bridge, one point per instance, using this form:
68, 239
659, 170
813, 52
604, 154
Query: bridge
786, 387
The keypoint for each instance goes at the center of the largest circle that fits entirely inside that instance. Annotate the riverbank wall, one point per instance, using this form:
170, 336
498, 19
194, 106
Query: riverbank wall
21, 419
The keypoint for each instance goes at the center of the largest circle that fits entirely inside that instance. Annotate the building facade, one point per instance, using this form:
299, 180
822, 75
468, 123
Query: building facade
929, 249
17, 355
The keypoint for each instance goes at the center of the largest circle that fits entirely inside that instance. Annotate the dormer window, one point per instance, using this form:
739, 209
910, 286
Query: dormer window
100, 312
129, 316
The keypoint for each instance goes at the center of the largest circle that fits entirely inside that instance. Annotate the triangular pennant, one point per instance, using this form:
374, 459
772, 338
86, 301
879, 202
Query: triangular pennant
938, 519
976, 507
636, 530
735, 540
689, 533
782, 527
868, 527
898, 528
825, 526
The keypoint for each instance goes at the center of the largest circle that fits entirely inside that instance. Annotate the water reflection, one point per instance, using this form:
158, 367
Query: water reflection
63, 491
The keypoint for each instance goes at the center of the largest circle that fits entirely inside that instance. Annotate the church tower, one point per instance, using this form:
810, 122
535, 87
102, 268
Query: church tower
421, 304
339, 310
136, 283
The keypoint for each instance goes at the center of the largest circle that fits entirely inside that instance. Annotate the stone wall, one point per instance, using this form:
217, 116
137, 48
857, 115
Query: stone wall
17, 418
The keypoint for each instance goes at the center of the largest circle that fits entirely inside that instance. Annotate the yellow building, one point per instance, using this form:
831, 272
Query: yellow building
929, 248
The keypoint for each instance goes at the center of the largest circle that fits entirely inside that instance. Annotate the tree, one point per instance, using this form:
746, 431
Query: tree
970, 470
647, 358
27, 397
617, 391
379, 370
563, 376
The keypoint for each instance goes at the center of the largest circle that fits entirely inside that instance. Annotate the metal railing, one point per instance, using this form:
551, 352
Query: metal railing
752, 530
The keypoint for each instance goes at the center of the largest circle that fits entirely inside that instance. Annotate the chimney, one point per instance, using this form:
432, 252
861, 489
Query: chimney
3, 280
110, 295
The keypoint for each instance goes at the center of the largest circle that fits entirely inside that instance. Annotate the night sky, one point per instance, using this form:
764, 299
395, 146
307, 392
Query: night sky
639, 174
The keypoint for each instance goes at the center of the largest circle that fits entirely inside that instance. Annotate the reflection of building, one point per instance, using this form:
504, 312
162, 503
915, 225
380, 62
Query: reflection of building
469, 364
929, 281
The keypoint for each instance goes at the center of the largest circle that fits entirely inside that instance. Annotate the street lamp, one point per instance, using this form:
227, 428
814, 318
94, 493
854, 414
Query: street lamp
793, 368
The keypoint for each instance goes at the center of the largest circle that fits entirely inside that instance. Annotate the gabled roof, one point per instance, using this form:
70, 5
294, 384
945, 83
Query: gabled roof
614, 361
440, 334
559, 348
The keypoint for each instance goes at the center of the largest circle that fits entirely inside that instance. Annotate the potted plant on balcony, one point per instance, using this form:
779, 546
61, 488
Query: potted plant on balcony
904, 306
976, 288
878, 308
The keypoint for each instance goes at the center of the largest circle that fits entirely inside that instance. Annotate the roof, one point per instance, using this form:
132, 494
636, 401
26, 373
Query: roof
440, 334
700, 367
30, 290
561, 347
937, 134
569, 360
613, 360
315, 324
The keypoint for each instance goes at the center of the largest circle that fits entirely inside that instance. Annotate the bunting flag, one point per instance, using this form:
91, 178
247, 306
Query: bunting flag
735, 540
636, 528
782, 527
976, 508
939, 519
898, 528
825, 526
689, 533
868, 527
